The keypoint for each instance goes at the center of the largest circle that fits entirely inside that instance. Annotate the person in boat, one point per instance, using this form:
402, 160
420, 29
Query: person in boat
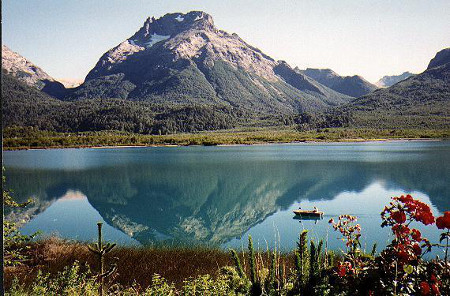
315, 210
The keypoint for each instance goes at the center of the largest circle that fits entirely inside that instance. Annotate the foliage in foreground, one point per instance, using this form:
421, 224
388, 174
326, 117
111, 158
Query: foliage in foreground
74, 281
14, 242
399, 269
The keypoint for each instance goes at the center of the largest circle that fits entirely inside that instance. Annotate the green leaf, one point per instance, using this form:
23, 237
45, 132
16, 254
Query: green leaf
408, 268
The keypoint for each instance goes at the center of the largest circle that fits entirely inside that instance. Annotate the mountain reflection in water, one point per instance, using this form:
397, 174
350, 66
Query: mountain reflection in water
215, 195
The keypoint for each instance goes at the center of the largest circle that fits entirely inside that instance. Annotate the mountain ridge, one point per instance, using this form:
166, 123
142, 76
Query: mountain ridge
420, 101
354, 86
389, 80
28, 72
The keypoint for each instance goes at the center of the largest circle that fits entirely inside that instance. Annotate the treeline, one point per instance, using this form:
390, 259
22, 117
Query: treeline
116, 114
24, 106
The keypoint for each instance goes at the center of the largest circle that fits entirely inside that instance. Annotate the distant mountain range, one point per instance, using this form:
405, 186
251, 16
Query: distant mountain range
422, 100
180, 73
354, 86
387, 81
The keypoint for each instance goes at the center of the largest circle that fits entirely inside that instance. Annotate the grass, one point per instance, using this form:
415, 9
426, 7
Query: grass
14, 140
137, 265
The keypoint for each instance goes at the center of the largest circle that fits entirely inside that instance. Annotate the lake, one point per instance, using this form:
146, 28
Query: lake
220, 195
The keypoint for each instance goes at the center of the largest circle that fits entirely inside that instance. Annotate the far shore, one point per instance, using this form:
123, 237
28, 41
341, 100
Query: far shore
348, 141
35, 139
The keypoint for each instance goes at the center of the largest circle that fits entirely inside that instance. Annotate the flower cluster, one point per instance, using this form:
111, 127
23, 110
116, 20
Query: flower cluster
443, 221
416, 209
345, 268
431, 287
398, 215
351, 232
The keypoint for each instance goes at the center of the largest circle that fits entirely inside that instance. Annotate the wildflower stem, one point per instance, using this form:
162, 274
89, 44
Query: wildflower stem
446, 247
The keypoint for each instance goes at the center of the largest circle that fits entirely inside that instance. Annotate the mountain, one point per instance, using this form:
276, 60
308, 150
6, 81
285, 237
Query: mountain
387, 81
441, 58
354, 86
420, 101
184, 59
32, 75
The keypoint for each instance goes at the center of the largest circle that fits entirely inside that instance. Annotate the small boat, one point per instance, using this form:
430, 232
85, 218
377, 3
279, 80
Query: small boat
308, 213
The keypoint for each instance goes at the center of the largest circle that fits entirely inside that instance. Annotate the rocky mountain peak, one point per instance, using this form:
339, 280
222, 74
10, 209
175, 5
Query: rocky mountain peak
27, 72
441, 58
20, 67
172, 24
312, 72
184, 58
187, 36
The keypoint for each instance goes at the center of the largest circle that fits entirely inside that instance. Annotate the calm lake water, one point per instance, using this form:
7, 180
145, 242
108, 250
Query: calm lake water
220, 195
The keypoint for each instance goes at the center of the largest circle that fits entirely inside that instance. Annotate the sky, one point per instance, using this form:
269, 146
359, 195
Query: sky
367, 38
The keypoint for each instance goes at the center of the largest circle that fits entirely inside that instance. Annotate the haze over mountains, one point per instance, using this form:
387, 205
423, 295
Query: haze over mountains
387, 80
181, 73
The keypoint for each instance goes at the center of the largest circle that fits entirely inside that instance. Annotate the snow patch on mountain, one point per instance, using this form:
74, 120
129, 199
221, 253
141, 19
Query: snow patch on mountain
155, 38
179, 18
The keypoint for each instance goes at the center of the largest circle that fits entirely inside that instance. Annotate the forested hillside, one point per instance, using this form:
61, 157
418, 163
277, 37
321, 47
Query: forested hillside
27, 106
421, 101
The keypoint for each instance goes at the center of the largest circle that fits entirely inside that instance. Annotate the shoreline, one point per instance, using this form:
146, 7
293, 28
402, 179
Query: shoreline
116, 139
263, 143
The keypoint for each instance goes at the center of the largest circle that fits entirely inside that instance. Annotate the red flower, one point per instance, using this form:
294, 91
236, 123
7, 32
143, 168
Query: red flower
405, 199
400, 230
342, 270
398, 216
433, 277
424, 288
403, 255
435, 289
440, 222
425, 217
443, 221
416, 235
417, 250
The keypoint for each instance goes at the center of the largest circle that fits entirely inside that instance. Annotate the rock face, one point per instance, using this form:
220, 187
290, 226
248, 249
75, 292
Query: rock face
19, 67
185, 59
354, 86
441, 58
387, 81
421, 101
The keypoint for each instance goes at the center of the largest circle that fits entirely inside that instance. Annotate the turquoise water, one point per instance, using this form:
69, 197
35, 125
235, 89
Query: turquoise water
220, 195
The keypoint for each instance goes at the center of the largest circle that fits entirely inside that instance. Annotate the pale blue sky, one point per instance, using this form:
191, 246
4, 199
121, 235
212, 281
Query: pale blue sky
369, 38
